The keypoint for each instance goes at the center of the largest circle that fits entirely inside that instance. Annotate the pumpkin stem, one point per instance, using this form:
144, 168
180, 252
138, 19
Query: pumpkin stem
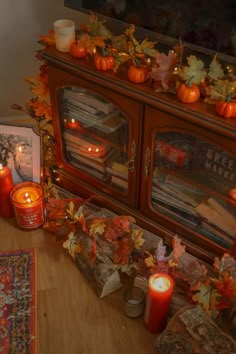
137, 63
189, 82
228, 98
104, 52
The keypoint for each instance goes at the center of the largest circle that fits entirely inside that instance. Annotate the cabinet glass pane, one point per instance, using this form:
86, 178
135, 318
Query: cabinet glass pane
95, 136
192, 183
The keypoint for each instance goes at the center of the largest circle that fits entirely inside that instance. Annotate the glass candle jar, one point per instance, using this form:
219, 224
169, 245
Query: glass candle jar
28, 202
134, 302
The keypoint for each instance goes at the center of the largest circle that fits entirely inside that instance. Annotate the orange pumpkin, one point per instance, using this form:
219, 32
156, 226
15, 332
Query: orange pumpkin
104, 62
138, 73
226, 109
77, 50
188, 93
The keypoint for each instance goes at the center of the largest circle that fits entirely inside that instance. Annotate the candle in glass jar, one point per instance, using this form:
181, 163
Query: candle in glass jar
134, 301
160, 289
6, 184
28, 202
72, 124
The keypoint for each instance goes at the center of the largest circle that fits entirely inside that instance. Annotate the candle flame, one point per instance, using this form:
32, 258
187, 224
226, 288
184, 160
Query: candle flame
1, 167
26, 195
20, 148
29, 200
161, 284
97, 149
72, 120
89, 149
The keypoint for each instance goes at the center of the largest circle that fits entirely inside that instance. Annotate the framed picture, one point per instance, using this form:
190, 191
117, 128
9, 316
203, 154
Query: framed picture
20, 150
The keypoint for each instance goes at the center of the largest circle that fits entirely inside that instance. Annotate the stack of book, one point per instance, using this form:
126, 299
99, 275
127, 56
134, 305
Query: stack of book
119, 174
196, 208
92, 111
88, 161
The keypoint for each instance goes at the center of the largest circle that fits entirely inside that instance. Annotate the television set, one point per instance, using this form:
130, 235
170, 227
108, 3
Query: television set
204, 26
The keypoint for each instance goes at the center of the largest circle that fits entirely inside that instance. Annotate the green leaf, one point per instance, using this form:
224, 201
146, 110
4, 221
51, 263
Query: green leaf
208, 298
222, 89
215, 70
97, 27
194, 71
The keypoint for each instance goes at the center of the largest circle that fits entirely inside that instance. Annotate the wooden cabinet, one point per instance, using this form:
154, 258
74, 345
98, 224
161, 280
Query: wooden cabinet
169, 165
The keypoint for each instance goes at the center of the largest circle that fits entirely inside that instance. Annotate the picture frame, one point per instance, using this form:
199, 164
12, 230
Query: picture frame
20, 151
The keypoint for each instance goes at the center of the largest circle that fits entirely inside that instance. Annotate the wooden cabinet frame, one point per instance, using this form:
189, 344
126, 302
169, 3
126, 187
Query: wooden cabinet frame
146, 111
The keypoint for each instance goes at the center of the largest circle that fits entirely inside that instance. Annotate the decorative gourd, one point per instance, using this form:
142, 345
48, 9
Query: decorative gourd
103, 61
188, 92
78, 50
226, 109
137, 73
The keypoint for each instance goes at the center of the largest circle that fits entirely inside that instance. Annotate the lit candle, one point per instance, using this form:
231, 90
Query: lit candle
160, 289
6, 184
232, 193
28, 202
93, 150
72, 124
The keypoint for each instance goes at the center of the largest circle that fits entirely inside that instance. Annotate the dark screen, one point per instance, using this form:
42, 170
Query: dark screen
207, 23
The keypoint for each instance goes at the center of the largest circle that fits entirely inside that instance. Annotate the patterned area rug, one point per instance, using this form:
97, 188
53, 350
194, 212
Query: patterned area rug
18, 302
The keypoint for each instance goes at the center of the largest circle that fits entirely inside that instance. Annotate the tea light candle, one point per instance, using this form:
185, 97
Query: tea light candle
160, 289
93, 150
6, 184
72, 124
134, 299
28, 201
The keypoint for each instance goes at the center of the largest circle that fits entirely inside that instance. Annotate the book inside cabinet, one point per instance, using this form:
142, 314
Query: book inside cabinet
190, 179
169, 165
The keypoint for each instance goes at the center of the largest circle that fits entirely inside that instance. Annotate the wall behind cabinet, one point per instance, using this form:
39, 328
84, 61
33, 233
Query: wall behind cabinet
21, 23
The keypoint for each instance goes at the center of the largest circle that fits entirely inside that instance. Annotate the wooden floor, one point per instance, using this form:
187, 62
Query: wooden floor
71, 318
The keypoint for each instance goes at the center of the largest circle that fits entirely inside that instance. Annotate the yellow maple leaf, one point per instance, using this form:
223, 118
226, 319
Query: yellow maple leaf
96, 226
72, 245
150, 261
208, 298
137, 237
71, 210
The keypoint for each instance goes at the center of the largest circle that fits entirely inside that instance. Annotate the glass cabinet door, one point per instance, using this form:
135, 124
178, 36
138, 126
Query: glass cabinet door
194, 183
95, 136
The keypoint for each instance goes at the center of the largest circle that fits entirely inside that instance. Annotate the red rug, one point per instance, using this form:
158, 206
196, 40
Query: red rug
18, 302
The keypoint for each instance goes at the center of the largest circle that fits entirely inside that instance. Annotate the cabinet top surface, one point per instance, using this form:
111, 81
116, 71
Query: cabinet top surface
200, 112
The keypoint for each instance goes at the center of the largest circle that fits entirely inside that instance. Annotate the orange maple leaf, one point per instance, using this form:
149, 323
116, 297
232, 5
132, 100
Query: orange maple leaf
123, 251
41, 88
123, 222
225, 284
41, 109
93, 253
48, 40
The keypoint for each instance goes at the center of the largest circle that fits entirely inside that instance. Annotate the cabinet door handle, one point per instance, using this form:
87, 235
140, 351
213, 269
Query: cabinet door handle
147, 161
131, 162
